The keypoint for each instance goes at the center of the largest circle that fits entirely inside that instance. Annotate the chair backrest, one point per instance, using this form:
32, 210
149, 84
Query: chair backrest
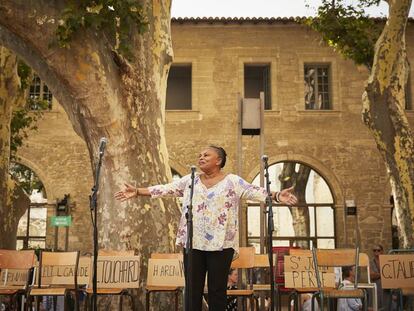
245, 259
167, 256
16, 266
59, 259
173, 279
261, 261
339, 257
364, 264
11, 259
300, 252
109, 252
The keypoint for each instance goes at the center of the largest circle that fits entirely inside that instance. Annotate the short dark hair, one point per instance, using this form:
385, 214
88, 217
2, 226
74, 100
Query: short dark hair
221, 154
346, 271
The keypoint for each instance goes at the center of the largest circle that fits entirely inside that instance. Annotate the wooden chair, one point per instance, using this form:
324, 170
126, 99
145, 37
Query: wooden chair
12, 261
121, 292
56, 287
165, 289
244, 261
297, 292
401, 292
366, 283
261, 262
336, 258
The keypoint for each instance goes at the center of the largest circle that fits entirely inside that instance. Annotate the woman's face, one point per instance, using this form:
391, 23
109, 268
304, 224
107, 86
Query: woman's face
377, 251
208, 160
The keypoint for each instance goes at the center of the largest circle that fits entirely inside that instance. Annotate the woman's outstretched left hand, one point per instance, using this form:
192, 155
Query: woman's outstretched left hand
286, 196
129, 192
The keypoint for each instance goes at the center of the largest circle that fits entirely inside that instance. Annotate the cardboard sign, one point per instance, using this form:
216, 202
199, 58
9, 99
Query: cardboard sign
299, 273
63, 275
397, 271
165, 272
118, 272
13, 277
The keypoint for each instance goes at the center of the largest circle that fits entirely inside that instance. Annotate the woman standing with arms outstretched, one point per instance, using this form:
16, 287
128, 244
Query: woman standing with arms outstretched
216, 201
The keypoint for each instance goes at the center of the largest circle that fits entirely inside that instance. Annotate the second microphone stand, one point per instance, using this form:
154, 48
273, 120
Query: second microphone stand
189, 247
93, 202
270, 229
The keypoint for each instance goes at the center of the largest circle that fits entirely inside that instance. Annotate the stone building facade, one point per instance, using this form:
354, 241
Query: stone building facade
334, 142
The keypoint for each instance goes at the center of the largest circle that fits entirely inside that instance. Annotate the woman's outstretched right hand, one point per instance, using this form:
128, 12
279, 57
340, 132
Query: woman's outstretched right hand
128, 193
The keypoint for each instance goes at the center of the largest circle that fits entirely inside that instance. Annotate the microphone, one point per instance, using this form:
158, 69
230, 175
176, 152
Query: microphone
102, 145
193, 169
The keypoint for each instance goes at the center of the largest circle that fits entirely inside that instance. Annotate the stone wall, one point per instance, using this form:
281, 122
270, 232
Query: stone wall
335, 143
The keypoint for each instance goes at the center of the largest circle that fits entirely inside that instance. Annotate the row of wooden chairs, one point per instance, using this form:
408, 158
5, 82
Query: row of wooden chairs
249, 260
24, 262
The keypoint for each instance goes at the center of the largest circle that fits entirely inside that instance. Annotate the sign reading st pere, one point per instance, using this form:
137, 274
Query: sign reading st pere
300, 273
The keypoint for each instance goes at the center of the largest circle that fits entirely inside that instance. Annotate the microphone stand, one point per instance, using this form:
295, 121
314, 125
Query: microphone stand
93, 203
189, 247
270, 229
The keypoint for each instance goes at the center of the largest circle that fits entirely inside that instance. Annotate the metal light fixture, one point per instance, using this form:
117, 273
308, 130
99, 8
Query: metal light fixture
350, 208
62, 205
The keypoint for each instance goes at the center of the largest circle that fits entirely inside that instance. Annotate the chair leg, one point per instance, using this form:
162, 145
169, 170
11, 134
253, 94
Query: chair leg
322, 305
314, 296
85, 303
176, 299
292, 297
28, 303
14, 302
77, 293
400, 299
121, 301
365, 300
132, 301
147, 300
37, 303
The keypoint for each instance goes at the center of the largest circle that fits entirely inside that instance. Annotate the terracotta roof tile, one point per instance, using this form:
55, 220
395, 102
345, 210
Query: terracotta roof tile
249, 20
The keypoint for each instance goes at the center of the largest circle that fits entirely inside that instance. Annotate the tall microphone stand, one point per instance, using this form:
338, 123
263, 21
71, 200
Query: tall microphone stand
93, 203
270, 229
189, 247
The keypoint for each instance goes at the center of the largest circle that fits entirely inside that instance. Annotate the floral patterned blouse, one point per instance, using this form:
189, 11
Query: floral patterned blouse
215, 209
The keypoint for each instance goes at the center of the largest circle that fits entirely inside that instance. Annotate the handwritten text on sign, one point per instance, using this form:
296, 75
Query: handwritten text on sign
300, 273
118, 272
113, 272
13, 277
64, 274
165, 272
397, 271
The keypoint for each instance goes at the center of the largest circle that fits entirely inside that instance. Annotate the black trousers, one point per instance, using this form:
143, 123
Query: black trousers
217, 264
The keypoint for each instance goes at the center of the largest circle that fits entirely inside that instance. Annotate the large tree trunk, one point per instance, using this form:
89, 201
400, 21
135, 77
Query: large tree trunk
105, 95
383, 112
300, 214
13, 200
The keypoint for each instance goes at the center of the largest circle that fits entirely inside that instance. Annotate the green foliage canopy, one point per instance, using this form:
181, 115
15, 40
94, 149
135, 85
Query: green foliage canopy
348, 29
116, 18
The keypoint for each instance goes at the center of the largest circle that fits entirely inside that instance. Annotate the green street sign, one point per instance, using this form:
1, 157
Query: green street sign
61, 221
